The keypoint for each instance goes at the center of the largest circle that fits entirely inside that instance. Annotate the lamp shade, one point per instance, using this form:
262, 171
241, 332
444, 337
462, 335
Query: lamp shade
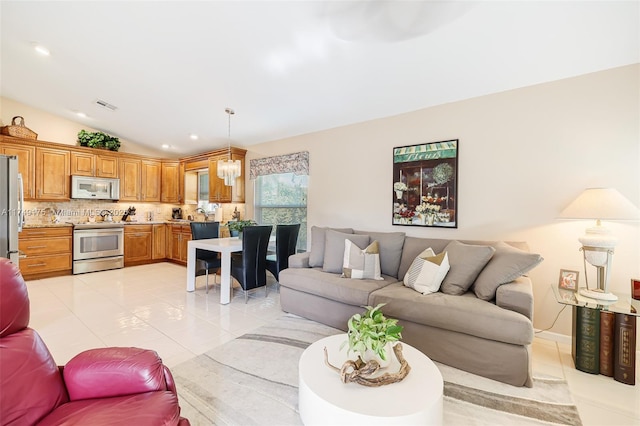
601, 203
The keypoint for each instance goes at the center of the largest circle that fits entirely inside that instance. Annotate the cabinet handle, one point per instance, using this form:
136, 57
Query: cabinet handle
36, 264
35, 247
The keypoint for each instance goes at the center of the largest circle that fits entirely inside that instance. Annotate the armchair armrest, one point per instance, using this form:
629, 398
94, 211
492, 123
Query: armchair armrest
299, 260
517, 296
108, 372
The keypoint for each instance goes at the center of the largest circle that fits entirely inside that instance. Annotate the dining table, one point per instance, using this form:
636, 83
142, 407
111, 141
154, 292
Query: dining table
224, 246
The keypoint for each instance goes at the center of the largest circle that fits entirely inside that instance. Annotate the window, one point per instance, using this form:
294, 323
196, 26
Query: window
282, 199
203, 189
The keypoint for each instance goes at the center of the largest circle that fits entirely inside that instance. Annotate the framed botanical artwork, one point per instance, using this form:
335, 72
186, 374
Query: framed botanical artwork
568, 280
425, 184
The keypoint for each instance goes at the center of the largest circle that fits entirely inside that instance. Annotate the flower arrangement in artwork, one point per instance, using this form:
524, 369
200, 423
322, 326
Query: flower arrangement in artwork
399, 186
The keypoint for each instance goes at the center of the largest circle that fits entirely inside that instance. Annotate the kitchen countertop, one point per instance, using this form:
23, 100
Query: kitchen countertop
152, 222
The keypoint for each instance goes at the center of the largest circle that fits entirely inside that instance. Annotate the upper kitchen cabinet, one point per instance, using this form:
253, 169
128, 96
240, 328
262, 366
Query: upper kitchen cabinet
52, 174
88, 164
26, 165
130, 179
139, 180
171, 181
150, 190
218, 191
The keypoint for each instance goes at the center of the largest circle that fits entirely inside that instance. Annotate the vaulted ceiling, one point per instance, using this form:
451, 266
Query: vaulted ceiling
170, 68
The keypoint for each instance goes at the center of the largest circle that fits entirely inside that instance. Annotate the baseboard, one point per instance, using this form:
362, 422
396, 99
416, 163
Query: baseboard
556, 337
563, 338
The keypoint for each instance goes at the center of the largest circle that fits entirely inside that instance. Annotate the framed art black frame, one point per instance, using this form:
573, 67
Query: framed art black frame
425, 184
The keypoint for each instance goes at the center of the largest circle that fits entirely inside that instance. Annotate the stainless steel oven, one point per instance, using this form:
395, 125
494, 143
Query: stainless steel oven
97, 247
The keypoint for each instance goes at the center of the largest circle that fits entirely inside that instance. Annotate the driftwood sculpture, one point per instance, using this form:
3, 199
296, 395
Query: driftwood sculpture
361, 372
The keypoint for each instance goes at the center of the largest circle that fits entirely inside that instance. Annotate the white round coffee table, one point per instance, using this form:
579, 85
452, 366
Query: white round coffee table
324, 400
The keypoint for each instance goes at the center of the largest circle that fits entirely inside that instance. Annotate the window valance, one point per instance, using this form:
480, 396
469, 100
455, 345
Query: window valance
297, 163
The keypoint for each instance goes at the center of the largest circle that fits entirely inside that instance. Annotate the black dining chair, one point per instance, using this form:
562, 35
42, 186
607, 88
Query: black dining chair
206, 261
286, 240
250, 266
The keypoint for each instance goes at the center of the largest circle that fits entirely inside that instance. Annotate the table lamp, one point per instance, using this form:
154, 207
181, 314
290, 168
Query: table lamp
598, 243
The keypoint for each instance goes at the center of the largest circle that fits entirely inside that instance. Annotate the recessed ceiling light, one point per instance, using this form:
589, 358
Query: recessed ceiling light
42, 50
166, 146
81, 114
193, 137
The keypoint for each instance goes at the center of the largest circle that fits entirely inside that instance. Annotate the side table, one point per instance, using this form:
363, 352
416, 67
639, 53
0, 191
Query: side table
603, 334
324, 400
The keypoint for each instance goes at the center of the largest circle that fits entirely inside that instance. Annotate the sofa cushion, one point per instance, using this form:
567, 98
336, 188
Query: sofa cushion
427, 272
463, 314
507, 264
149, 408
391, 244
361, 263
316, 257
466, 260
332, 286
413, 246
334, 249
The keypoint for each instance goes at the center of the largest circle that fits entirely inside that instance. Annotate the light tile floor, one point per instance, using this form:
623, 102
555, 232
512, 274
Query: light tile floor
148, 306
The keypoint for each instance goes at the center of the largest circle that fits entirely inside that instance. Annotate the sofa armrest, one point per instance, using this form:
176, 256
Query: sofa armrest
108, 372
517, 296
299, 260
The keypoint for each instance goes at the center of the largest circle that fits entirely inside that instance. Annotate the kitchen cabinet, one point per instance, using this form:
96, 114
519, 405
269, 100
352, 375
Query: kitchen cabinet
171, 181
237, 192
26, 165
179, 236
47, 251
150, 181
89, 164
139, 180
52, 174
159, 241
218, 191
129, 179
138, 244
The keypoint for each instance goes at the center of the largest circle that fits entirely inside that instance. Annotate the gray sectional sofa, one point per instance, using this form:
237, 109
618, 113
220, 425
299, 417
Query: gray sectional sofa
485, 328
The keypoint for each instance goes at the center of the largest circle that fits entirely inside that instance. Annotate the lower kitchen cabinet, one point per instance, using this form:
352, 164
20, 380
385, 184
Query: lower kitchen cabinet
159, 241
179, 236
46, 252
138, 244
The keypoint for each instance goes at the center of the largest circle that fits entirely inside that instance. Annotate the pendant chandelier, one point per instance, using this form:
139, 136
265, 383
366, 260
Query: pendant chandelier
229, 170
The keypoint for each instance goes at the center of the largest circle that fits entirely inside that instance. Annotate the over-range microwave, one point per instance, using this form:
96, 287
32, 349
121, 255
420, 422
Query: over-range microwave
95, 188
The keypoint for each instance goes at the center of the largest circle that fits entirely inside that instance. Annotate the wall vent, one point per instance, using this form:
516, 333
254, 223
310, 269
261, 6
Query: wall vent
106, 105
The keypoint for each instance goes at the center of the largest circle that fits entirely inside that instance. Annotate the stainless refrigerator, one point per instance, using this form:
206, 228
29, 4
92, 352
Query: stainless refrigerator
11, 206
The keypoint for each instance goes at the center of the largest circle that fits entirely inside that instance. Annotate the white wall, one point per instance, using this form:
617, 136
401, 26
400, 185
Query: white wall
524, 155
52, 128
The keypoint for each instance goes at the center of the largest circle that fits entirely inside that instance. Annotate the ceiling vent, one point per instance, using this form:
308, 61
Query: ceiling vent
106, 105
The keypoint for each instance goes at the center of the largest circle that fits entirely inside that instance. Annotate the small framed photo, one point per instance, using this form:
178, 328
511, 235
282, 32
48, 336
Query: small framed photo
568, 280
635, 288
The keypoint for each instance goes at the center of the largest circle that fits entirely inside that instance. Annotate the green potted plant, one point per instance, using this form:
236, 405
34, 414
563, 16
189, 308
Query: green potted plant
371, 335
98, 140
236, 226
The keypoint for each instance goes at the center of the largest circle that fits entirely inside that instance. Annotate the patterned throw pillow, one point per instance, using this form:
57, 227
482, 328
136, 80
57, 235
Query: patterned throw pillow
361, 264
426, 273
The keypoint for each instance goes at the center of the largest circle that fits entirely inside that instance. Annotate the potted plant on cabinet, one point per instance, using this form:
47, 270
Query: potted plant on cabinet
371, 334
98, 140
236, 226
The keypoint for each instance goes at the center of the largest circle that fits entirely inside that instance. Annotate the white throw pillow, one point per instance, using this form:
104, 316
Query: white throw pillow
361, 264
426, 273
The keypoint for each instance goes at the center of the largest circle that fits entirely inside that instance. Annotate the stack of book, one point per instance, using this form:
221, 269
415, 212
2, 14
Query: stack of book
604, 342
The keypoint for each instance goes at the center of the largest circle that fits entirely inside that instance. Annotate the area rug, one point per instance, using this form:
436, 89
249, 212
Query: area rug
253, 380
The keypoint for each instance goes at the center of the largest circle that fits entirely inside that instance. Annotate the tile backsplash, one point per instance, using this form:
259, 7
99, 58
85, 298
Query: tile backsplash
43, 212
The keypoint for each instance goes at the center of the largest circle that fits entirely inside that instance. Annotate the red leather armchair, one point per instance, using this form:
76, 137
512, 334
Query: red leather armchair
107, 386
